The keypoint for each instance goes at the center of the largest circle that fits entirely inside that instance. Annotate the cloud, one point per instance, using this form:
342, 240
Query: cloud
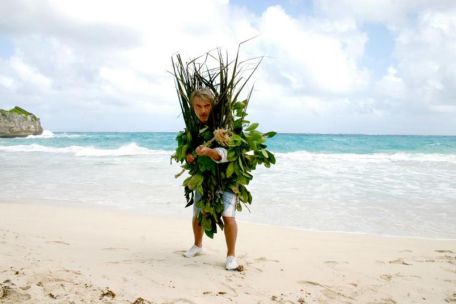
390, 12
421, 80
426, 54
311, 59
90, 58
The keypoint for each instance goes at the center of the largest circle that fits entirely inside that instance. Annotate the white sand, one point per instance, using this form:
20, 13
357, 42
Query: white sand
68, 255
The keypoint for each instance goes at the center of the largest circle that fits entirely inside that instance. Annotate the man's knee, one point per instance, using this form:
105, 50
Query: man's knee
228, 220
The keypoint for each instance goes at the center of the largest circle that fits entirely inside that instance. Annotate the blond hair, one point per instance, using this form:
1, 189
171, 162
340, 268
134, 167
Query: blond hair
203, 94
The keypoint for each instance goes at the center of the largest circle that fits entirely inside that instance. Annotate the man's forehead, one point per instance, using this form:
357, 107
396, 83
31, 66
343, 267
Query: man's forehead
201, 101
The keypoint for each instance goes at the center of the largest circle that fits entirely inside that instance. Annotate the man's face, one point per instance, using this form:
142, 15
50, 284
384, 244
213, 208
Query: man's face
202, 108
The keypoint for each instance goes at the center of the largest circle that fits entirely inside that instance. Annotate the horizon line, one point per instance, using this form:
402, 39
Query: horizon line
283, 133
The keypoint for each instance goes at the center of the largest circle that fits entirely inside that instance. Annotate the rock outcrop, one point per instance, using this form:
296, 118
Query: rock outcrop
17, 122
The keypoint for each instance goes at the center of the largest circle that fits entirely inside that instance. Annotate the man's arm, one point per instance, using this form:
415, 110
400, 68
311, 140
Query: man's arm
218, 155
223, 155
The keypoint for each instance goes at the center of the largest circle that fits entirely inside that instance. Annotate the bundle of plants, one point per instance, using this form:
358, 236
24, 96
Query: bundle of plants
226, 127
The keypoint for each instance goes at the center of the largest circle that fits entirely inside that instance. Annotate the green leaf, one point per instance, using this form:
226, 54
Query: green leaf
186, 181
200, 189
184, 150
230, 170
231, 155
272, 159
205, 163
250, 197
194, 181
207, 208
270, 134
203, 129
252, 127
265, 154
234, 188
240, 164
242, 180
235, 141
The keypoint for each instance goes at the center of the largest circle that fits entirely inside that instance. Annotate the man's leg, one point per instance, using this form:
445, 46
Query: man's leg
198, 243
197, 232
231, 230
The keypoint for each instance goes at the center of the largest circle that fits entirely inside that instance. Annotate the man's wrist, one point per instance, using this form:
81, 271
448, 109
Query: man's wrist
215, 155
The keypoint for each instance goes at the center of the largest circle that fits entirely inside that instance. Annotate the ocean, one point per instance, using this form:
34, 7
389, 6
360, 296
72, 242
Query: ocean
373, 184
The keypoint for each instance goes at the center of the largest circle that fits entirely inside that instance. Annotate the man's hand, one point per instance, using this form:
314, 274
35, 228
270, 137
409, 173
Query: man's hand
205, 151
190, 158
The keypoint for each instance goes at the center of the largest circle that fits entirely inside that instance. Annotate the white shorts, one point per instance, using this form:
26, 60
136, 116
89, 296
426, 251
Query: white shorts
229, 202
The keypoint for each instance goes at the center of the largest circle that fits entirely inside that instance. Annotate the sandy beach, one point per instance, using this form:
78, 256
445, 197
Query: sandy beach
54, 254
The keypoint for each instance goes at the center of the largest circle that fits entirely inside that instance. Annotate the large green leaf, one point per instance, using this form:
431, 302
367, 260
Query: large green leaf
230, 170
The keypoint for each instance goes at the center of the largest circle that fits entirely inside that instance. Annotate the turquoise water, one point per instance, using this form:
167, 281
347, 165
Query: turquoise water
317, 143
387, 185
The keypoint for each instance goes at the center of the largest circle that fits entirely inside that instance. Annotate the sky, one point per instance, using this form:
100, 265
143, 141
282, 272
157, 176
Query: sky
340, 67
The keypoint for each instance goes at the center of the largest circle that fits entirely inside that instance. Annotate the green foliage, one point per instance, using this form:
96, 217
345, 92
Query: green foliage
19, 111
246, 146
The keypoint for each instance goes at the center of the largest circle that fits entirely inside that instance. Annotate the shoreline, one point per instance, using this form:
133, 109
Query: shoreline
60, 254
183, 216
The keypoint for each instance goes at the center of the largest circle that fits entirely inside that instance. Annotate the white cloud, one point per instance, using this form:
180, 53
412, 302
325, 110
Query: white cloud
391, 85
28, 74
390, 12
112, 57
426, 55
306, 59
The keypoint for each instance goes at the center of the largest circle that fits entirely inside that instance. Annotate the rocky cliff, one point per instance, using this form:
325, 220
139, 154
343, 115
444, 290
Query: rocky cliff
17, 122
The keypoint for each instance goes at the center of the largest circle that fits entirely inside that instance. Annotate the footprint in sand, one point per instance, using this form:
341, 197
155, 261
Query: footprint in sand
265, 259
10, 294
388, 277
114, 248
328, 291
182, 301
400, 261
448, 259
444, 251
228, 286
58, 242
76, 272
406, 251
386, 301
451, 298
310, 283
335, 262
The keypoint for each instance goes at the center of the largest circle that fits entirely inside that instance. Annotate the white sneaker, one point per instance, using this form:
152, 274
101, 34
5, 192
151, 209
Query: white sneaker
231, 263
193, 251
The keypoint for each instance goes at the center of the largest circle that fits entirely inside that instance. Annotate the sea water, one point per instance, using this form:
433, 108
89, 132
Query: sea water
375, 184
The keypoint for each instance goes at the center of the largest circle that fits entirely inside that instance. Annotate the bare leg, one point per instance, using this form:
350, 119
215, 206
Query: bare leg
197, 232
231, 230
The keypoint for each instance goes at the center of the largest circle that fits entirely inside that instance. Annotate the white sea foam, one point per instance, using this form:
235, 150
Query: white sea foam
130, 149
304, 156
45, 134
66, 135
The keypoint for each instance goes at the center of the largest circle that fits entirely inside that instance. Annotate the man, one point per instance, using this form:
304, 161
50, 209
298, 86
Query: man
202, 103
